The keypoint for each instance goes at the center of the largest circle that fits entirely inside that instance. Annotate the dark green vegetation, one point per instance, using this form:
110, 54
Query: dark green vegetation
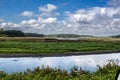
18, 33
33, 35
13, 33
107, 72
116, 36
27, 45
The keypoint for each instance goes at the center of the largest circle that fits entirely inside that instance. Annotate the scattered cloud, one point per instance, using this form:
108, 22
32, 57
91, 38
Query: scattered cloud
9, 25
96, 20
48, 20
47, 8
27, 13
28, 22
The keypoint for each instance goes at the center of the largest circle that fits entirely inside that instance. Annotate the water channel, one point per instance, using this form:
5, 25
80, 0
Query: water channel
86, 62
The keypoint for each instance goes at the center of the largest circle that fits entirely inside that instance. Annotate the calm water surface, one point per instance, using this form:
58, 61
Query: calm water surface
86, 62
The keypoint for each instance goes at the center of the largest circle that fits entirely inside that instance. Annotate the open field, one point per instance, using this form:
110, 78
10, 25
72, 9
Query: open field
107, 72
30, 46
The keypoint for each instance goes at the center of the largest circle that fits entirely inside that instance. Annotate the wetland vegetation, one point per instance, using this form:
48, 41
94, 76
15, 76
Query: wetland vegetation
45, 45
106, 72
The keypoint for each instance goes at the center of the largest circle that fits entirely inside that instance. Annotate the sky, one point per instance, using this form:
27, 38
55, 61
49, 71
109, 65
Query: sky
83, 17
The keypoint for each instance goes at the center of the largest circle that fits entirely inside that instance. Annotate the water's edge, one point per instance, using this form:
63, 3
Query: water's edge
86, 62
5, 55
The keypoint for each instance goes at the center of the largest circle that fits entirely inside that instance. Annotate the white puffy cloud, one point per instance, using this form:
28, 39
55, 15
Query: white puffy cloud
40, 21
49, 20
9, 25
94, 21
47, 8
27, 13
3, 24
28, 22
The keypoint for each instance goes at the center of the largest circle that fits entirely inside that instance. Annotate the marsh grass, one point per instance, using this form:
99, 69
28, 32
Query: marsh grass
45, 39
56, 47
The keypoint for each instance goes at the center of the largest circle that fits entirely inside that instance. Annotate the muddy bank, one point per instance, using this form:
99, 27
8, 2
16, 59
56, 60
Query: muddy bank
56, 54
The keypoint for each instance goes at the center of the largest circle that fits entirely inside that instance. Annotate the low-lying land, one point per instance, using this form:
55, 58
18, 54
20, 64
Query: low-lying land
107, 72
28, 46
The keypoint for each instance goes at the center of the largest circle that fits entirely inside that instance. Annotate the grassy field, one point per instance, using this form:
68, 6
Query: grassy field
34, 45
107, 72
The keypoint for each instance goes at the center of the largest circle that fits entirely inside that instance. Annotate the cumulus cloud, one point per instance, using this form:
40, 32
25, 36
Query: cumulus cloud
28, 22
48, 20
47, 8
27, 13
96, 20
9, 25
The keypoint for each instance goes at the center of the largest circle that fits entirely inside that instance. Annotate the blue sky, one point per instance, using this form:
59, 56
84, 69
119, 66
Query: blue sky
61, 16
10, 9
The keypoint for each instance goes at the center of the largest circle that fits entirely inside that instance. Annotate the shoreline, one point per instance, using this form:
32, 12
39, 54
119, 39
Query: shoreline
2, 55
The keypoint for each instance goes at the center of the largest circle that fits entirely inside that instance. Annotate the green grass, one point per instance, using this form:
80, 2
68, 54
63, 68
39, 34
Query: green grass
56, 47
107, 72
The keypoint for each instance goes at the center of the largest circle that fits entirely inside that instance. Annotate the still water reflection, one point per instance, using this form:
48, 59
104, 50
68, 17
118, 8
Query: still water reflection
86, 62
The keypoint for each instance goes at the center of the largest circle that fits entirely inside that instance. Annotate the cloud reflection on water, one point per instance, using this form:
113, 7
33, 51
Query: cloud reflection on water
86, 62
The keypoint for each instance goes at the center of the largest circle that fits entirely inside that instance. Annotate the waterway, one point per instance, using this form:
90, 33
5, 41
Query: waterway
86, 62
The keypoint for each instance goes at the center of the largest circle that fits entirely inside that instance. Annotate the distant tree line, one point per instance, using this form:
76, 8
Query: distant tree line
34, 35
115, 36
13, 33
18, 33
